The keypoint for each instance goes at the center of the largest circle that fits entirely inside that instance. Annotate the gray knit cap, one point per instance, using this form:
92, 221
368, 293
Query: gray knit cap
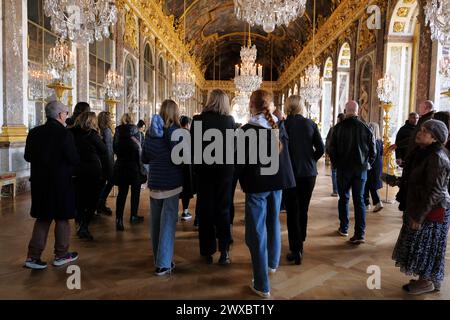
438, 129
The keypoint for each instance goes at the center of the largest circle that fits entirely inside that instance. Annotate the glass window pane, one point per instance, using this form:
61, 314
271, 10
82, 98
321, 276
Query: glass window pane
47, 24
92, 68
108, 50
33, 10
49, 42
101, 50
35, 45
100, 72
92, 90
93, 48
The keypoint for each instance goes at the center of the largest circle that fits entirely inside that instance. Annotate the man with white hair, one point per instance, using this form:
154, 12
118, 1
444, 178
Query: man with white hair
51, 151
352, 151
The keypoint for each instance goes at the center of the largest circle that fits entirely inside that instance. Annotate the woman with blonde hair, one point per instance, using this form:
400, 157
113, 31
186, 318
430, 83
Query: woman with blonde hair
165, 183
105, 125
263, 192
214, 194
127, 169
305, 148
374, 182
89, 173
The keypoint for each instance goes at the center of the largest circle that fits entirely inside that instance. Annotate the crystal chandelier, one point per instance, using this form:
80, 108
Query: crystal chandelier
81, 20
311, 84
437, 14
60, 62
248, 75
37, 81
184, 87
385, 89
113, 85
240, 105
269, 13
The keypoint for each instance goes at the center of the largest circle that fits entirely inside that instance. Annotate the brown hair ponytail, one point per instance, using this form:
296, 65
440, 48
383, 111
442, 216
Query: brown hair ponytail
260, 101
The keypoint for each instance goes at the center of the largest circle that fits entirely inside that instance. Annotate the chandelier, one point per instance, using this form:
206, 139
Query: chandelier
184, 87
311, 84
240, 105
113, 85
385, 89
81, 20
60, 62
269, 13
37, 80
248, 75
437, 14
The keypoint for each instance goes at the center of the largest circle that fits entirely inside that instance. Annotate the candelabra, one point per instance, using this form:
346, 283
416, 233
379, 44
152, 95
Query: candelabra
240, 105
37, 79
184, 87
61, 68
113, 91
311, 85
385, 92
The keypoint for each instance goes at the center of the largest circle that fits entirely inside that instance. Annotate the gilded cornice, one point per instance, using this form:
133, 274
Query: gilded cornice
230, 86
162, 27
340, 20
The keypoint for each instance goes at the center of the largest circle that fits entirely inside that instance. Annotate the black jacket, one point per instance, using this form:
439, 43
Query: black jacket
51, 150
424, 183
412, 141
352, 145
93, 154
305, 145
402, 140
211, 120
127, 168
107, 136
250, 177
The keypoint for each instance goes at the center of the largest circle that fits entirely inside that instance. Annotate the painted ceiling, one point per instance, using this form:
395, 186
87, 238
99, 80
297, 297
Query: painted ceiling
216, 35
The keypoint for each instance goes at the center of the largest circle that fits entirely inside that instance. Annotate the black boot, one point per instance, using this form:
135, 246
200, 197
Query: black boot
119, 224
83, 232
103, 209
295, 257
224, 258
136, 219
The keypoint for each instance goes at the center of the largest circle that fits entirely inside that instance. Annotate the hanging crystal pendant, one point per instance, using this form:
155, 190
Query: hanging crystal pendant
437, 14
311, 87
184, 87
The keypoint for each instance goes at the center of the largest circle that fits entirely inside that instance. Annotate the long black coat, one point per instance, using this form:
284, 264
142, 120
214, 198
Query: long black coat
305, 145
51, 150
109, 164
374, 174
127, 169
93, 154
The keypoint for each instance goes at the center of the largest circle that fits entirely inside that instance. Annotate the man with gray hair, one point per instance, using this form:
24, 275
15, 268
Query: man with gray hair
352, 151
51, 151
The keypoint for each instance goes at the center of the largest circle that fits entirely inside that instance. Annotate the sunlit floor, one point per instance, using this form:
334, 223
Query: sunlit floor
120, 265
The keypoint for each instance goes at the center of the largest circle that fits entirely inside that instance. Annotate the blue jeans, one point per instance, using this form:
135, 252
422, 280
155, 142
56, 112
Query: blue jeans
356, 180
334, 180
164, 217
263, 234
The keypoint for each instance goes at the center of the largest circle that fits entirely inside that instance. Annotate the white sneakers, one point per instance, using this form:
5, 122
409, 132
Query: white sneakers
379, 206
259, 293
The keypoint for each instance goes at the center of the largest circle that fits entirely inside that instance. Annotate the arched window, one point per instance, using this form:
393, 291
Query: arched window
162, 82
400, 55
343, 78
327, 105
149, 79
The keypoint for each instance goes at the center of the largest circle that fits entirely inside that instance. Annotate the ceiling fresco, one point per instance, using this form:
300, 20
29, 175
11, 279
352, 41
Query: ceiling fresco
215, 35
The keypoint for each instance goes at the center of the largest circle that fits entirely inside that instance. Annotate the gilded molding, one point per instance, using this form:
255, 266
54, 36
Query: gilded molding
162, 27
14, 134
131, 30
230, 86
340, 21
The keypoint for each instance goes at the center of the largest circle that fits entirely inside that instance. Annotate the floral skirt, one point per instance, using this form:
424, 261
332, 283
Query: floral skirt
422, 252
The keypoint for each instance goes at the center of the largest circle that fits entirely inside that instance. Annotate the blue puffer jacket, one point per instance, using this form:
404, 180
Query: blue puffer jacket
163, 174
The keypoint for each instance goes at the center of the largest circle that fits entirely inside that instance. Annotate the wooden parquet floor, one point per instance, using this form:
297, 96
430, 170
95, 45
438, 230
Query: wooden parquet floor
120, 265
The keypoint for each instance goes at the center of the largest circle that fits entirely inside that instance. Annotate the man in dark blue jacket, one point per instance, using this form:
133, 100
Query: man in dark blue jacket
352, 151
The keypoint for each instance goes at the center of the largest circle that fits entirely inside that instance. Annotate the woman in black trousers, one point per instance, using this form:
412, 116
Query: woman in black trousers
105, 126
305, 148
128, 169
214, 182
89, 173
